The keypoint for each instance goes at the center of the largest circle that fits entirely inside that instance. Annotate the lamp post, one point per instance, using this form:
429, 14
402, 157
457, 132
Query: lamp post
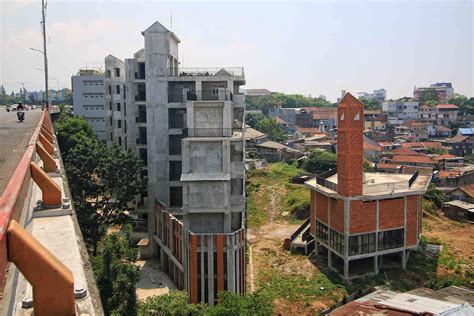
50, 78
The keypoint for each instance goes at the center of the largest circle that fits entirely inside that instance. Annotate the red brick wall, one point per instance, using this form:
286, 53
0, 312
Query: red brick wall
337, 217
391, 213
363, 217
312, 213
412, 209
350, 112
321, 207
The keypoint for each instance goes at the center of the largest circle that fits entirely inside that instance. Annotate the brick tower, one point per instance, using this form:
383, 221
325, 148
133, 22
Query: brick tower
350, 151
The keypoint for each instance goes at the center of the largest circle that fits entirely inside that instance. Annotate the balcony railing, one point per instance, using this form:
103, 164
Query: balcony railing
210, 132
217, 72
205, 95
385, 187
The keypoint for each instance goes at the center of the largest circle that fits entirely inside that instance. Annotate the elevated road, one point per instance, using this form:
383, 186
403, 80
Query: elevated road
14, 137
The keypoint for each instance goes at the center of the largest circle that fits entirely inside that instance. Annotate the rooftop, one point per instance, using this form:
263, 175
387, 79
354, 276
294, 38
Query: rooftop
413, 159
461, 204
251, 133
422, 145
376, 183
467, 189
447, 107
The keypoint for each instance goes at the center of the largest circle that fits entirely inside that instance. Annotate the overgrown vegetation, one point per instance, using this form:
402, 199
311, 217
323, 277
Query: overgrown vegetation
434, 195
116, 274
284, 100
176, 304
319, 161
268, 126
269, 183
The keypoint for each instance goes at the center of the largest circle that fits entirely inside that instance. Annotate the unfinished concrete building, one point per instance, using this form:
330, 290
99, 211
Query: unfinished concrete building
362, 220
115, 105
186, 124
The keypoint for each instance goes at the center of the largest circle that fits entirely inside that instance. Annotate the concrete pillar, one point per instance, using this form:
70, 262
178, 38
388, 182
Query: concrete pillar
210, 269
404, 261
376, 265
230, 263
203, 279
329, 259
346, 269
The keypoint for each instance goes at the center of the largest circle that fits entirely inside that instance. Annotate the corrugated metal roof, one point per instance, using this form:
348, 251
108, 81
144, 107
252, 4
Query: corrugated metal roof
418, 304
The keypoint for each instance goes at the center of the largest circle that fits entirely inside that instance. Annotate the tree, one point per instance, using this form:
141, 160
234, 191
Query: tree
103, 180
434, 195
429, 94
272, 128
319, 161
71, 131
3, 92
370, 104
466, 105
117, 275
252, 119
173, 304
266, 102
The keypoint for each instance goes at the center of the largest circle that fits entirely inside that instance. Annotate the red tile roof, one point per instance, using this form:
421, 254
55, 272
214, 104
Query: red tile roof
413, 159
441, 128
446, 156
450, 173
425, 145
388, 166
404, 152
468, 189
458, 139
369, 146
447, 106
309, 130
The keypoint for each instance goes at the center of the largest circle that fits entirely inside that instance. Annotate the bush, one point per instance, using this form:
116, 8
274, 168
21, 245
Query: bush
434, 195
298, 202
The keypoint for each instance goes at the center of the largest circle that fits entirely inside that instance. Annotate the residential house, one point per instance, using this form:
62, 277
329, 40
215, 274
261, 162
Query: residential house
324, 118
273, 152
460, 145
463, 193
459, 211
400, 111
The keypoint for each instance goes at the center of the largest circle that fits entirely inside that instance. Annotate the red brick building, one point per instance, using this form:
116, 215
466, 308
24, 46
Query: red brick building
361, 220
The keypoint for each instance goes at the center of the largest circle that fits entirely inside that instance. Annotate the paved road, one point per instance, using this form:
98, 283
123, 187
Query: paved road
14, 137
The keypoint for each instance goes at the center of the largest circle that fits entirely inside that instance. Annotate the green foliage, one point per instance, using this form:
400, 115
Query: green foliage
469, 159
298, 202
428, 95
284, 100
252, 119
117, 275
72, 131
103, 180
176, 304
319, 160
368, 167
435, 196
435, 151
371, 104
466, 105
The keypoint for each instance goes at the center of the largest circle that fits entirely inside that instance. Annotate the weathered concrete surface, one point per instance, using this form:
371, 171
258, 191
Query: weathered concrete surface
14, 137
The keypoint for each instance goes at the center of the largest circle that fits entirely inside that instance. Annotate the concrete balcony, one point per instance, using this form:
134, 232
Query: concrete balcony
237, 200
237, 168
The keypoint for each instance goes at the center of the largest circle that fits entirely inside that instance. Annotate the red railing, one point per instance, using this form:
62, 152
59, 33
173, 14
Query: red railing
52, 281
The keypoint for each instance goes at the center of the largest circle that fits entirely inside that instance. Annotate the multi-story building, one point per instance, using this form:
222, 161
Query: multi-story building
400, 111
378, 95
441, 114
88, 100
115, 104
443, 91
363, 220
186, 124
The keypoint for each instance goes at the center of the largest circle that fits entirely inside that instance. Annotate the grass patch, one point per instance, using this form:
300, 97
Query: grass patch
272, 182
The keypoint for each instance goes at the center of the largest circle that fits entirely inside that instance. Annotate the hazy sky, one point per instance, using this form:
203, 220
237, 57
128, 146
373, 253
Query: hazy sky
317, 47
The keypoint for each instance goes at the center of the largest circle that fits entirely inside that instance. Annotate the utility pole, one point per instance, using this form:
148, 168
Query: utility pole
24, 91
43, 22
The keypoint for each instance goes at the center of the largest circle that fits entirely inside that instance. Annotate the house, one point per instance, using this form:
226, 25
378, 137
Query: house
459, 211
422, 146
422, 161
447, 161
302, 144
400, 111
287, 127
441, 114
442, 131
303, 132
451, 300
461, 145
389, 145
256, 92
372, 150
274, 152
388, 167
252, 138
455, 177
324, 118
463, 193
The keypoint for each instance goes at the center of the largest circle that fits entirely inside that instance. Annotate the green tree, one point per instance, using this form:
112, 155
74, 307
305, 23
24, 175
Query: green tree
252, 119
284, 100
319, 161
72, 131
173, 304
3, 92
428, 95
272, 128
117, 275
434, 195
371, 104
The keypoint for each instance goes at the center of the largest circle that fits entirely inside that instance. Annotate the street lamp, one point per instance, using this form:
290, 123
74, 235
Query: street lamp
45, 72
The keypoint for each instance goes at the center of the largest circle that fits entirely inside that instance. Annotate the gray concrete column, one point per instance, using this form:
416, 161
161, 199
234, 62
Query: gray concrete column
376, 264
210, 269
329, 259
404, 261
346, 269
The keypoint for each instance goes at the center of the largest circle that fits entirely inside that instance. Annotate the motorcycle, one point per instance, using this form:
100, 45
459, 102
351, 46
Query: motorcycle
21, 116
8, 108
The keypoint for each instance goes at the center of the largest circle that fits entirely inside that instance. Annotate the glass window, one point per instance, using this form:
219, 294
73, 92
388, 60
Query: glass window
391, 239
321, 231
336, 241
361, 244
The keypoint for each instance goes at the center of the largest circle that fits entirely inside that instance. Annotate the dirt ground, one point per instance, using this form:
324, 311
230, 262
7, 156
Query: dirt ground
152, 281
459, 236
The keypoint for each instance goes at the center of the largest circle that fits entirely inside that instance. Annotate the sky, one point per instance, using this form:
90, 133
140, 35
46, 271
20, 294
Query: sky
311, 47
